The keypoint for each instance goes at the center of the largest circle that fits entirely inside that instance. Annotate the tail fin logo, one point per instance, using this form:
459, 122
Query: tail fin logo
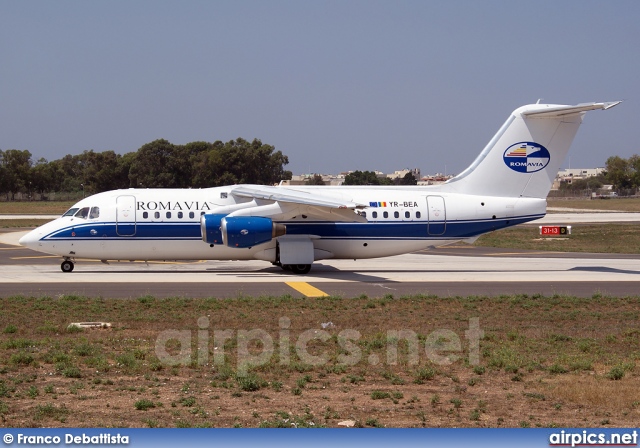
526, 157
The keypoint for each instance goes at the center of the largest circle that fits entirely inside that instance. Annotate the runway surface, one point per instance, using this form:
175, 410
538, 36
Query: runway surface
446, 272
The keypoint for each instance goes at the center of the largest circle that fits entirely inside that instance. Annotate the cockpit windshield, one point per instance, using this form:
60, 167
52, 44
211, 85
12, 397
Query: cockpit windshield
70, 212
84, 212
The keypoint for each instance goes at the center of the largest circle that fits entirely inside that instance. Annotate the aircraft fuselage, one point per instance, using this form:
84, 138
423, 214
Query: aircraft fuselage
164, 224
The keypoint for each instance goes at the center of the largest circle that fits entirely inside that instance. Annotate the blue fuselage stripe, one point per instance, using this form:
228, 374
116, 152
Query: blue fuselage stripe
419, 230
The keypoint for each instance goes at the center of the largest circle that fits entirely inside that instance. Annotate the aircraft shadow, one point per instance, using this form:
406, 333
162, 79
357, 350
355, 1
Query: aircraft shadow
332, 273
317, 271
604, 269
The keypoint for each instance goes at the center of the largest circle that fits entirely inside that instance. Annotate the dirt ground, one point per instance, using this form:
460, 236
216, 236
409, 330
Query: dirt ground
541, 362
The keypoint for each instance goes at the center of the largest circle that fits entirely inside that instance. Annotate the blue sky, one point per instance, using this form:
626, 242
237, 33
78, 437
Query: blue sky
335, 85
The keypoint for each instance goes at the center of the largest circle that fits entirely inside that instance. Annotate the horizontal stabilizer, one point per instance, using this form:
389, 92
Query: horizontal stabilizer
558, 111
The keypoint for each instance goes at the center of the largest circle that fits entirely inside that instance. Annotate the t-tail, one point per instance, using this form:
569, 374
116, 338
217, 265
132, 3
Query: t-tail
523, 158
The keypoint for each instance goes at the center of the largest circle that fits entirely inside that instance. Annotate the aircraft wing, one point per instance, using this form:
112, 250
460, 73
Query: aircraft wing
295, 196
325, 207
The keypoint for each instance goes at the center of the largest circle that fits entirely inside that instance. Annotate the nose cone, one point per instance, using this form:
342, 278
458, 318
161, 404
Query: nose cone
30, 240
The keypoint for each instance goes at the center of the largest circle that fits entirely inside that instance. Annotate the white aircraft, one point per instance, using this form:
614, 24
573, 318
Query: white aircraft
292, 227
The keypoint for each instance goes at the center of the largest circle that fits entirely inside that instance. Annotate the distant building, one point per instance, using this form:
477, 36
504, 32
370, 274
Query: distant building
579, 173
565, 175
568, 175
338, 179
435, 179
303, 179
400, 174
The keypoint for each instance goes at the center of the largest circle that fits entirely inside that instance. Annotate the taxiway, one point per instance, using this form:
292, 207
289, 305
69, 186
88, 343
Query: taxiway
448, 271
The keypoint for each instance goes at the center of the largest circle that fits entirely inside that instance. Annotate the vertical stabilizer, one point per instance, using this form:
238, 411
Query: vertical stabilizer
523, 158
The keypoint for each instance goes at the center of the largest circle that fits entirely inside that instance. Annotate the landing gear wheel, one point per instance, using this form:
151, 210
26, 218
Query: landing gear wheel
67, 266
300, 268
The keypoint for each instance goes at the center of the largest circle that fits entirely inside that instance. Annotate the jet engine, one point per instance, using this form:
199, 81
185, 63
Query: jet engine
240, 232
210, 228
248, 231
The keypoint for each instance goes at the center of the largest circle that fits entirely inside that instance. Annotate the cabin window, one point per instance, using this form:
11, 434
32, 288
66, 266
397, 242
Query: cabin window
157, 215
94, 213
168, 215
407, 215
201, 213
82, 213
145, 215
385, 215
396, 214
363, 214
180, 215
191, 215
374, 214
71, 212
418, 215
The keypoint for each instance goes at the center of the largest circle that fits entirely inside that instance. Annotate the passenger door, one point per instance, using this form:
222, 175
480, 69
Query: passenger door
437, 215
126, 215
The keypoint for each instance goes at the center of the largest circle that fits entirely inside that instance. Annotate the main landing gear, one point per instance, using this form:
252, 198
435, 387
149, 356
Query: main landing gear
67, 265
299, 269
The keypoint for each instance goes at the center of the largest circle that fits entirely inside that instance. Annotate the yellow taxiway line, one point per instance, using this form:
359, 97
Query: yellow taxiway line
306, 289
35, 256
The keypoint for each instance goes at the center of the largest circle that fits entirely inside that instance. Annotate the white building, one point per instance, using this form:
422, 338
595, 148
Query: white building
400, 174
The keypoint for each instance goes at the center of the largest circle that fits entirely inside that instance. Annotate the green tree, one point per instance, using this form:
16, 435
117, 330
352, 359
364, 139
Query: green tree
316, 179
42, 177
122, 170
156, 165
4, 178
208, 166
407, 179
253, 163
590, 183
68, 173
238, 162
17, 164
618, 172
102, 172
191, 154
362, 178
634, 166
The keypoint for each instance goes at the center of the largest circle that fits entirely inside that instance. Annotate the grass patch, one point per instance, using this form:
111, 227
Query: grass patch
50, 411
533, 347
592, 238
35, 207
379, 395
424, 374
144, 404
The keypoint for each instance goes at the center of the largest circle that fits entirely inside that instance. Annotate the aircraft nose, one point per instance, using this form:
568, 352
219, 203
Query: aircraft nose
30, 239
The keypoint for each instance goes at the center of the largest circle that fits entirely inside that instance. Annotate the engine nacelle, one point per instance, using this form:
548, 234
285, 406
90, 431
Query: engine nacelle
210, 228
248, 231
